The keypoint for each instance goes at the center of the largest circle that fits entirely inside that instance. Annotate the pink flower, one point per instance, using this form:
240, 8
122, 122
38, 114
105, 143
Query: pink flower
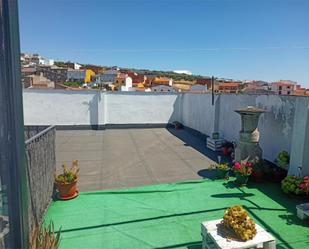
237, 166
249, 164
306, 177
302, 185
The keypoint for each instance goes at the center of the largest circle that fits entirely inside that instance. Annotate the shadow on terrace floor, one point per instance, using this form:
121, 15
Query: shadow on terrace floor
196, 140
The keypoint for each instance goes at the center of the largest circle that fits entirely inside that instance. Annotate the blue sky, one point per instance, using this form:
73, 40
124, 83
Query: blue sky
240, 39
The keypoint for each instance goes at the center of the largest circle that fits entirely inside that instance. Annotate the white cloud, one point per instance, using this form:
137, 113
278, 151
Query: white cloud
183, 72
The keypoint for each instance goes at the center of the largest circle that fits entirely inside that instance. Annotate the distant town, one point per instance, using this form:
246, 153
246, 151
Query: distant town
42, 73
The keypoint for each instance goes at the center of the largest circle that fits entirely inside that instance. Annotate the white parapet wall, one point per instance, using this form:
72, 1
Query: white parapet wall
62, 107
275, 125
140, 108
283, 126
58, 107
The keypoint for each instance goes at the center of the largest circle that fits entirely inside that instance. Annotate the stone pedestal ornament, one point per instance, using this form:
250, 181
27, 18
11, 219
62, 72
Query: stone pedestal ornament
248, 145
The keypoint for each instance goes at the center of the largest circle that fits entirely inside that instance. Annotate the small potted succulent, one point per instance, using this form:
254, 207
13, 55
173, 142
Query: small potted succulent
66, 182
222, 170
242, 171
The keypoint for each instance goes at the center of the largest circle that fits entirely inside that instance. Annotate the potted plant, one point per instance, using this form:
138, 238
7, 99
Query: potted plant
258, 171
296, 186
278, 174
43, 237
304, 185
66, 182
227, 148
222, 170
215, 135
283, 159
242, 171
178, 125
280, 171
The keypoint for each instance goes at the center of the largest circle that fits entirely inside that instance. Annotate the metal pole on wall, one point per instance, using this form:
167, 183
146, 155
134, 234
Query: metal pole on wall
12, 146
212, 90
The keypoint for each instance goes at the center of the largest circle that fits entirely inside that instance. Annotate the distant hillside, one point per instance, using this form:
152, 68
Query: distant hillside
169, 74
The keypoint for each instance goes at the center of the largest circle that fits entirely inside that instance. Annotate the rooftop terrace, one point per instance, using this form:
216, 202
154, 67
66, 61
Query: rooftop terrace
139, 188
122, 158
143, 185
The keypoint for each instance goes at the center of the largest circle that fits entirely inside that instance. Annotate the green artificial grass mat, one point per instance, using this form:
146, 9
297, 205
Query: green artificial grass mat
170, 215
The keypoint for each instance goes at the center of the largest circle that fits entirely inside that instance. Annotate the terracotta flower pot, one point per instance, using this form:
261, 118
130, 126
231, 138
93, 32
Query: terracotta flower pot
67, 191
241, 179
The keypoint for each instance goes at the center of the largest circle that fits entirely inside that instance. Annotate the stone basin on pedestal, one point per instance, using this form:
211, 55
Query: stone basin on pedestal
248, 145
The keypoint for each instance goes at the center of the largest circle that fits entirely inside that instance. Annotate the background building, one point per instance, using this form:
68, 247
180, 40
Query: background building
229, 86
80, 75
283, 87
53, 73
107, 78
38, 81
162, 88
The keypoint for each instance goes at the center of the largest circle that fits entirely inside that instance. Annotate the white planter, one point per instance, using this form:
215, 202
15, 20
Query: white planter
303, 211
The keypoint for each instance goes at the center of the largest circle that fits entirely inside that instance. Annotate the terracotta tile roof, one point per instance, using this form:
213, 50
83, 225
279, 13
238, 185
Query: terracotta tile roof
229, 84
28, 70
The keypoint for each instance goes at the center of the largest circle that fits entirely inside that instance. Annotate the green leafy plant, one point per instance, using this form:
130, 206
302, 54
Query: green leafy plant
294, 185
73, 84
44, 237
68, 175
283, 158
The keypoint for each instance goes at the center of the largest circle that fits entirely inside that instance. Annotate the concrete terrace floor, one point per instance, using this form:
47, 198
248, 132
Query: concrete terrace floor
121, 158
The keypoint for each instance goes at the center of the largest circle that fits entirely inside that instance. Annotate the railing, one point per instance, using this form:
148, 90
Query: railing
31, 131
41, 165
